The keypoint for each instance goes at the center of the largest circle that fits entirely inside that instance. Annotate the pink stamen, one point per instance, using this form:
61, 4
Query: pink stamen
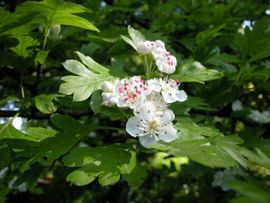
120, 89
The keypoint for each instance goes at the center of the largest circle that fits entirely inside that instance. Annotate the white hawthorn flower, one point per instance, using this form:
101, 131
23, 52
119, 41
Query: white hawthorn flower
260, 117
147, 47
131, 92
221, 178
165, 62
108, 93
168, 89
157, 99
237, 105
151, 125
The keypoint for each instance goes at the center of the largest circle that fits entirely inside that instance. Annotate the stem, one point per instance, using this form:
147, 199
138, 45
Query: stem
22, 89
45, 38
147, 67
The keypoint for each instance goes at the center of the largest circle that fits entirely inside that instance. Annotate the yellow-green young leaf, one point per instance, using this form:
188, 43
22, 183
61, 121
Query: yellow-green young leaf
45, 104
81, 178
25, 46
136, 37
109, 178
195, 72
41, 57
107, 163
88, 78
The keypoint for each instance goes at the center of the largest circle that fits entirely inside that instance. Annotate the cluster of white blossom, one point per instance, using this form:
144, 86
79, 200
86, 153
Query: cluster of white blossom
222, 178
149, 100
257, 116
165, 62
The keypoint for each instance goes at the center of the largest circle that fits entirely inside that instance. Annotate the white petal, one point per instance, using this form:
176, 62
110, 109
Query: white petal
169, 70
147, 140
154, 84
158, 101
160, 44
173, 83
166, 117
107, 87
181, 96
158, 53
134, 79
167, 133
108, 99
169, 96
134, 127
145, 111
145, 47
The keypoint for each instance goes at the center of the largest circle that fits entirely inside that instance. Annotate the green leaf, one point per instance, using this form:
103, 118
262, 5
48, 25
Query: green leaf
208, 35
205, 145
91, 64
260, 38
58, 12
25, 46
136, 37
41, 57
181, 108
195, 72
7, 131
40, 133
88, 79
55, 146
251, 191
81, 178
67, 123
109, 178
190, 130
96, 105
107, 163
5, 155
137, 176
256, 157
47, 13
45, 104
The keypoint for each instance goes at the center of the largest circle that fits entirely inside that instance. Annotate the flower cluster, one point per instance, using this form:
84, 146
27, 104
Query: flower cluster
148, 99
261, 117
165, 62
221, 178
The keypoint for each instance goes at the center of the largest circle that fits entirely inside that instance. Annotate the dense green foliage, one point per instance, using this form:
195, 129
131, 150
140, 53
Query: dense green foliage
55, 56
